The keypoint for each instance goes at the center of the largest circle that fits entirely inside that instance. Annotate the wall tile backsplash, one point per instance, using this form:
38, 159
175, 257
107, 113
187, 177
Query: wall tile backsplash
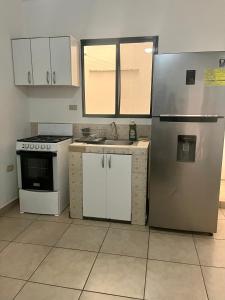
103, 130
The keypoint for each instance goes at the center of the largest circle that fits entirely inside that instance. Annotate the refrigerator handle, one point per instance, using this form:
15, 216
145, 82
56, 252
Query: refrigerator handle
189, 118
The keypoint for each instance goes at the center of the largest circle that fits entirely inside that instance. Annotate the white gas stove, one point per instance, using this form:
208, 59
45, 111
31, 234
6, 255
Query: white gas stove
42, 164
49, 143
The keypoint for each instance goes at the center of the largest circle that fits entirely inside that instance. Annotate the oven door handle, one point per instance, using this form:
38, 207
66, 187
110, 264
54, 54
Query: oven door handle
19, 152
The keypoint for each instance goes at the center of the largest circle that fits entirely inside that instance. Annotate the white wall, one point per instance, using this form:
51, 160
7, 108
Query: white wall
193, 25
14, 113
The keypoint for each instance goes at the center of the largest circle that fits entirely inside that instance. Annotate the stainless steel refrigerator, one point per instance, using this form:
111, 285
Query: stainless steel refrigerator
187, 140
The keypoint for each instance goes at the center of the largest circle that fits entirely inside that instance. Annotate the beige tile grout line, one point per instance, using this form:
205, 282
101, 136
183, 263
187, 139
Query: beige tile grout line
50, 250
125, 297
200, 267
27, 280
94, 262
146, 268
108, 228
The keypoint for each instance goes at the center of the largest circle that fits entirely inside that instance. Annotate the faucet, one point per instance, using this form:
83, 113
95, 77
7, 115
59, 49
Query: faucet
114, 131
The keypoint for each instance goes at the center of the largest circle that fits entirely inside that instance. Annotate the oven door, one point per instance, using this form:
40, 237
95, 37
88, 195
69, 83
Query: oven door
37, 170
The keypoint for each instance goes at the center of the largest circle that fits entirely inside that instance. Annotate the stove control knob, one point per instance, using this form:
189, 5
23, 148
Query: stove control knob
37, 146
31, 146
48, 147
42, 147
23, 146
26, 146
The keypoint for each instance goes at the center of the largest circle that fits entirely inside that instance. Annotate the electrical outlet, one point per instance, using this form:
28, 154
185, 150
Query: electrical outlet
9, 168
72, 107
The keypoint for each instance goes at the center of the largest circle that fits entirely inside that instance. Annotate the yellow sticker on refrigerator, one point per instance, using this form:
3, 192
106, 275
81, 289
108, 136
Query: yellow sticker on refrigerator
214, 77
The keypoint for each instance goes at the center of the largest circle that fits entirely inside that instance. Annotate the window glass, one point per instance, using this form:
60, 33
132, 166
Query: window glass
100, 79
136, 78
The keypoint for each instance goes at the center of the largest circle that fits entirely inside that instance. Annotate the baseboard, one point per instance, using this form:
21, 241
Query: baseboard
8, 204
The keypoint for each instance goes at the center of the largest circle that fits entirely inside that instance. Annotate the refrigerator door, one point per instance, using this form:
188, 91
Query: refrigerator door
180, 86
185, 172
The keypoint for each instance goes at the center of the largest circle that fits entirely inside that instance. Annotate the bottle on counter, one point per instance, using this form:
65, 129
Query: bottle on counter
132, 131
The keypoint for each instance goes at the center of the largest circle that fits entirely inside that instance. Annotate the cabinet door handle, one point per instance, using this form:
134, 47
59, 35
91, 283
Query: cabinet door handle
109, 162
54, 77
47, 77
103, 161
29, 77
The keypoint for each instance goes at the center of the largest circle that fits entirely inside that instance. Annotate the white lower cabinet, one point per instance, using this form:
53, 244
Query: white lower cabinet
94, 185
107, 186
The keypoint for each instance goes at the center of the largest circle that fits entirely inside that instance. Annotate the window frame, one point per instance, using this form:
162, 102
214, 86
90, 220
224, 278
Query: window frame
116, 42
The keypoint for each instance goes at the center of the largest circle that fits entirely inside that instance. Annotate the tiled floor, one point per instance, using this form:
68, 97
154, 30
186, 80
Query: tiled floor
222, 191
44, 257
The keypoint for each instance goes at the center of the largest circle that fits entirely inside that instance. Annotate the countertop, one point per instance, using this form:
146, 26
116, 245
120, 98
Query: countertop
83, 147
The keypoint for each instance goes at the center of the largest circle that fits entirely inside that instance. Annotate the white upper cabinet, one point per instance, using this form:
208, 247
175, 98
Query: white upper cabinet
22, 62
64, 61
41, 61
52, 61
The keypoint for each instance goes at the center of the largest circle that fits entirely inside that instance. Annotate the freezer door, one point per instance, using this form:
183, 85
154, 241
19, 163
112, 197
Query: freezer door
185, 172
179, 86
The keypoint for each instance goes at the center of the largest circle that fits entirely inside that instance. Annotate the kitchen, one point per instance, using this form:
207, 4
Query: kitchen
113, 264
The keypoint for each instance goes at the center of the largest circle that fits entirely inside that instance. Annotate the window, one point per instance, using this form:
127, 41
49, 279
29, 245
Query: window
117, 76
100, 79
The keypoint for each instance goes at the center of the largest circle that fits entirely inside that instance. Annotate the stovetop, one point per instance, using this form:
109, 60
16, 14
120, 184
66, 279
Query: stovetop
45, 139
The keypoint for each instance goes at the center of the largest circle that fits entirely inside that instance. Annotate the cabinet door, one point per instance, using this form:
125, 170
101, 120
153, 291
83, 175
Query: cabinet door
22, 62
41, 61
118, 187
94, 185
61, 60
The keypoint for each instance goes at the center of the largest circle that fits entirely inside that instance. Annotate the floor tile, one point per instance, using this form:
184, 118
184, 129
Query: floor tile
126, 242
91, 222
14, 212
222, 211
170, 231
211, 252
37, 291
66, 268
83, 238
174, 248
129, 226
9, 287
11, 227
43, 233
63, 218
215, 282
118, 275
3, 244
220, 234
174, 281
221, 215
96, 296
21, 260
222, 190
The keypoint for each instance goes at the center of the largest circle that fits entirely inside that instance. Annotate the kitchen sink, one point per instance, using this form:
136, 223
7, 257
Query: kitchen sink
117, 142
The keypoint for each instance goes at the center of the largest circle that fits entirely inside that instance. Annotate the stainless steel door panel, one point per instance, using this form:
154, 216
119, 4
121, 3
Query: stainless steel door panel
171, 95
184, 195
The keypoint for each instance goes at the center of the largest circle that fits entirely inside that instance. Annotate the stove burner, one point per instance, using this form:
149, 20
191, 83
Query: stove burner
45, 139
